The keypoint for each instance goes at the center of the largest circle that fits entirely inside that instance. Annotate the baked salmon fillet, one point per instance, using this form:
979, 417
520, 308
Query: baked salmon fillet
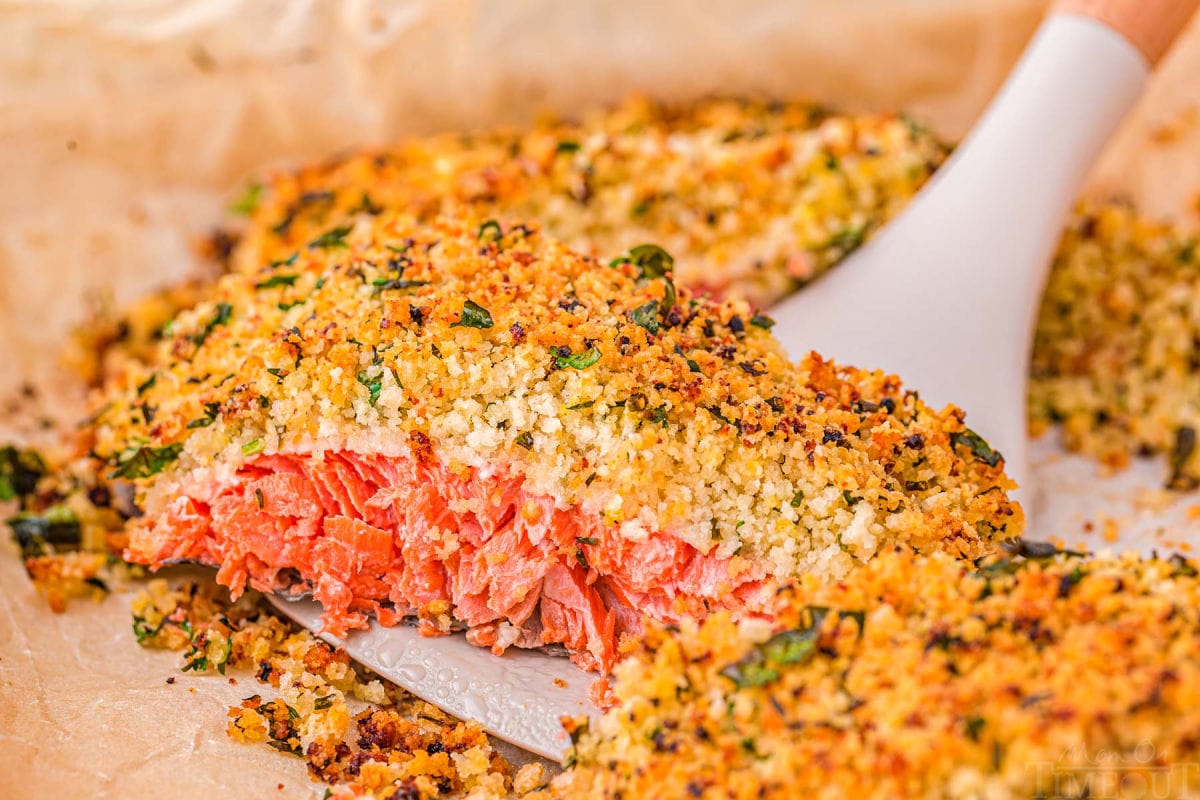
468, 423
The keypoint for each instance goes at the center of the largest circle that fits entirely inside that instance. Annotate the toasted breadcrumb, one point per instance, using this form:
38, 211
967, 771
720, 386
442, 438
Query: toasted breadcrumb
363, 736
1118, 341
489, 346
919, 676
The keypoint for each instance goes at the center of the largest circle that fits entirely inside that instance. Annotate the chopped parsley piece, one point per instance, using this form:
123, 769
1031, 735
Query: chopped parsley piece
850, 499
848, 239
797, 499
977, 445
588, 540
567, 146
332, 239
761, 665
490, 231
147, 384
210, 415
374, 385
322, 703
693, 366
278, 280
474, 316
220, 317
146, 461
584, 404
20, 471
247, 203
646, 316
253, 447
761, 320
525, 439
383, 284
58, 526
578, 360
653, 262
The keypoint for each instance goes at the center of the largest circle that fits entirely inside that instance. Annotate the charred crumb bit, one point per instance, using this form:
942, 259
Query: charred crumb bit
171, 680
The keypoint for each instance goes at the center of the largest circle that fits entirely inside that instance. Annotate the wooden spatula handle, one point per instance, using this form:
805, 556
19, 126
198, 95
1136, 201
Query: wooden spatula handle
1151, 25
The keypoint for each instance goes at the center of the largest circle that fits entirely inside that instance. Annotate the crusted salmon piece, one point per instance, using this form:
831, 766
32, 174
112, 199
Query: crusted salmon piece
752, 198
918, 676
468, 421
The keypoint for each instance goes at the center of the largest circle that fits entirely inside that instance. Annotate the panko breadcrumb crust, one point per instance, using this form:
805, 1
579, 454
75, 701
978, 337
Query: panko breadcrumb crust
1118, 341
751, 197
488, 345
919, 676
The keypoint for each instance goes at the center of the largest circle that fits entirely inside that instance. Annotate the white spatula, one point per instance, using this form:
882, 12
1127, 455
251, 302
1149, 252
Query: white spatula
946, 296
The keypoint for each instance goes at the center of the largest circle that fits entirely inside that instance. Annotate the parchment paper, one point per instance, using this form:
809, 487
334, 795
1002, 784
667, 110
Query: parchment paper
125, 125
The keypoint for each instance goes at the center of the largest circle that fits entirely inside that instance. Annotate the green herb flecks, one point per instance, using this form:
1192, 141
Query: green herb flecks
525, 439
20, 471
653, 262
332, 239
56, 527
211, 410
762, 665
578, 360
849, 239
253, 447
247, 202
491, 231
374, 384
220, 317
646, 316
146, 461
474, 316
761, 320
977, 445
278, 280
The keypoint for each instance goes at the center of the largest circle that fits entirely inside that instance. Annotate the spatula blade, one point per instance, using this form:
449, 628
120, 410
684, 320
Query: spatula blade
518, 697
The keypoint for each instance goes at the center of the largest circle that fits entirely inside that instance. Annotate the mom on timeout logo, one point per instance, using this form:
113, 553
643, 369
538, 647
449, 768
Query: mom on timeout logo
1140, 774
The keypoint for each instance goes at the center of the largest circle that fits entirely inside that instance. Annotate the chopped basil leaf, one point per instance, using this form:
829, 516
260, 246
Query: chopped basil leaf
278, 280
147, 461
474, 316
382, 284
332, 238
147, 384
210, 415
578, 360
977, 445
693, 366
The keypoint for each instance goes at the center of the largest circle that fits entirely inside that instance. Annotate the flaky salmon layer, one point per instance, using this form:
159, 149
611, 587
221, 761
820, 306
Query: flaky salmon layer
403, 536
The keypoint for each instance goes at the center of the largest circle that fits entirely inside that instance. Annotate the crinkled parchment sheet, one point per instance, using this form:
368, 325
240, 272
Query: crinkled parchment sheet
125, 125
